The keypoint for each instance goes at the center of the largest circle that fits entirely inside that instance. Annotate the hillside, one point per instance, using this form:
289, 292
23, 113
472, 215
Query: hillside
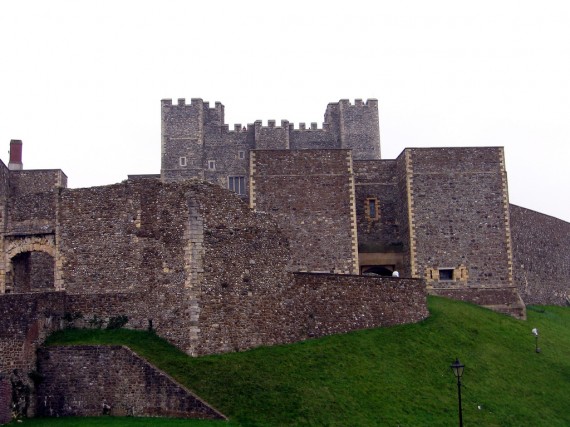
393, 376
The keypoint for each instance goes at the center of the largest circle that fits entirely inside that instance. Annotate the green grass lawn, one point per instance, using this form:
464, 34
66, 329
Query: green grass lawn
398, 376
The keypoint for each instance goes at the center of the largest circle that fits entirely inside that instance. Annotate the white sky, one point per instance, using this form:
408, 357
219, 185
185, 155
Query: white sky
81, 81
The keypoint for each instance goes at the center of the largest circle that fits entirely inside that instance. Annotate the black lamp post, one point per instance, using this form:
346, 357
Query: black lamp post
457, 368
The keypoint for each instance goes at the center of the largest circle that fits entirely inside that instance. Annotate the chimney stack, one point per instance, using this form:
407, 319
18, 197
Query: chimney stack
15, 163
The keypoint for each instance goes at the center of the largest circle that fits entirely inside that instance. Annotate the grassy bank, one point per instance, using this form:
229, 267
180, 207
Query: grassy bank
393, 376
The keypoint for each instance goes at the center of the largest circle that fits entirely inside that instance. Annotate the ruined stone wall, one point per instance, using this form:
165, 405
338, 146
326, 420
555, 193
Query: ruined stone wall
311, 193
243, 257
111, 380
183, 248
25, 321
541, 256
378, 180
460, 216
324, 304
36, 181
129, 239
5, 399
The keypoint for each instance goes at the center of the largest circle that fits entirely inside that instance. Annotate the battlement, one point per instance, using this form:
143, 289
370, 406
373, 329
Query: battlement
194, 102
372, 102
194, 136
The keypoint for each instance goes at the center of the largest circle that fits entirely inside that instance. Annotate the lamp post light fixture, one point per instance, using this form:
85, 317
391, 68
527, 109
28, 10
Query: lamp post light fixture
535, 333
457, 368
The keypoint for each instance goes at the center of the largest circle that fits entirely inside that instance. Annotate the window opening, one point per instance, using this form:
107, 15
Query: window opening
372, 211
241, 154
237, 184
211, 165
183, 162
446, 274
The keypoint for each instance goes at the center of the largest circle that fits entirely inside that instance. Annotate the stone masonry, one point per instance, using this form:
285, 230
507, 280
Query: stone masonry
261, 235
111, 380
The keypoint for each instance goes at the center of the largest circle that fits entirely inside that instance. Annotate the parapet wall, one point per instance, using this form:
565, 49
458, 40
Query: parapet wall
79, 381
540, 256
324, 304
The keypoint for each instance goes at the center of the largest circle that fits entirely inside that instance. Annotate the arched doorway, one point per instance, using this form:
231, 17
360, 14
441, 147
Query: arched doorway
31, 271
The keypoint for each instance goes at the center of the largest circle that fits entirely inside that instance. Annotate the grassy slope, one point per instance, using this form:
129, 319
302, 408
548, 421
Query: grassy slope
392, 376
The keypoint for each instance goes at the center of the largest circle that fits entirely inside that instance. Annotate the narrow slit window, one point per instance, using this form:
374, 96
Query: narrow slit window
241, 154
211, 165
183, 161
371, 209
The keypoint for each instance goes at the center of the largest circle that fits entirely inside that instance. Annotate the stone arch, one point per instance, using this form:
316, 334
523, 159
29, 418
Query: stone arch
29, 264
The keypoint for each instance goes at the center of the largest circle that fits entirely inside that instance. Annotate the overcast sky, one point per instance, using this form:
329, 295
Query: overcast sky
81, 81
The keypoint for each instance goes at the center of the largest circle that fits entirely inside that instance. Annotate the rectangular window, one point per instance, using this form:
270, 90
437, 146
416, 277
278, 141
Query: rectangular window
241, 154
237, 184
446, 274
211, 165
182, 161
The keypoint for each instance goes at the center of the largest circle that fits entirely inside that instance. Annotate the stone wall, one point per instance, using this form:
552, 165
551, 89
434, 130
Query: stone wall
311, 194
324, 304
111, 380
504, 300
197, 143
175, 254
25, 321
5, 399
378, 180
36, 181
460, 216
541, 256
360, 128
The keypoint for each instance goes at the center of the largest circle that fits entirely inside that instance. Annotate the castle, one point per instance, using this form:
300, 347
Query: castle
439, 214
259, 235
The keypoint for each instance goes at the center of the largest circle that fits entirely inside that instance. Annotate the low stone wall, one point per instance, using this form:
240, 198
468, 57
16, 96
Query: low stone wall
111, 380
324, 304
5, 399
504, 300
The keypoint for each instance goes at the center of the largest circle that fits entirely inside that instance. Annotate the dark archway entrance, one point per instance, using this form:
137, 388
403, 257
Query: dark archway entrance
380, 270
32, 272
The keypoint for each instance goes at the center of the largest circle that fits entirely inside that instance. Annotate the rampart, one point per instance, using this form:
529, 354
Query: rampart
110, 380
540, 255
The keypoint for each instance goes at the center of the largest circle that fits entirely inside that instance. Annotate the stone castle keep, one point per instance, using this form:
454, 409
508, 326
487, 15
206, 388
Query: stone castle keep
260, 235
